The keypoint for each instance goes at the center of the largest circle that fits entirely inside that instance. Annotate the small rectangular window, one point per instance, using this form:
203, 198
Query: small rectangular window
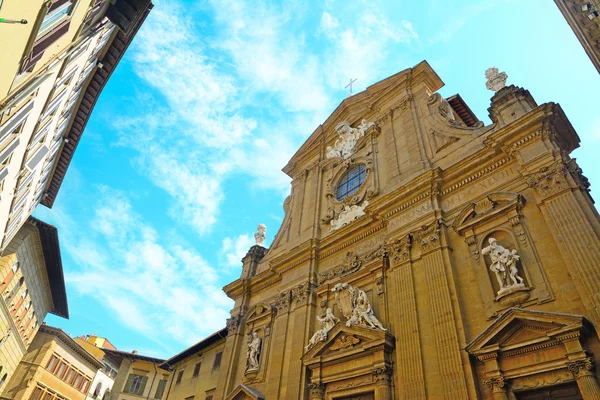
52, 363
160, 389
197, 369
37, 393
217, 362
179, 377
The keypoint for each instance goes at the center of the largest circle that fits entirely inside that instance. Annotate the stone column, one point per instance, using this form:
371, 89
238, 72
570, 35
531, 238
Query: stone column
569, 216
498, 387
383, 383
444, 325
583, 371
404, 323
317, 391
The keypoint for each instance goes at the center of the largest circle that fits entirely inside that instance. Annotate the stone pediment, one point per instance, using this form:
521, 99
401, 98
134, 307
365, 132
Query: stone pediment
517, 328
493, 204
244, 392
343, 341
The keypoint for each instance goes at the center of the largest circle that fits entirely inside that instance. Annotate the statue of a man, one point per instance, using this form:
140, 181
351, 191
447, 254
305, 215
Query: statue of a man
364, 312
496, 251
327, 323
253, 354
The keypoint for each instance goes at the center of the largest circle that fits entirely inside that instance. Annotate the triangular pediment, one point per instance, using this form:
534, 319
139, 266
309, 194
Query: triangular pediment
342, 340
519, 327
244, 392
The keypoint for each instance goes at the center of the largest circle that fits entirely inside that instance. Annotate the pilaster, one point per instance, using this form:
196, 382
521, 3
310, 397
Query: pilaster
583, 372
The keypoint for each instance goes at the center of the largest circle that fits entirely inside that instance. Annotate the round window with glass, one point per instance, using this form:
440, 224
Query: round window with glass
351, 181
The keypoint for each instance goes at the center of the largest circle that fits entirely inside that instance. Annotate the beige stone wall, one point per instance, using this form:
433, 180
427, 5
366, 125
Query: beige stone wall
199, 386
437, 190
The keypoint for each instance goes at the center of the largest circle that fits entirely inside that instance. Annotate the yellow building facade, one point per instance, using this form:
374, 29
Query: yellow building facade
423, 255
194, 372
139, 376
55, 367
31, 285
53, 70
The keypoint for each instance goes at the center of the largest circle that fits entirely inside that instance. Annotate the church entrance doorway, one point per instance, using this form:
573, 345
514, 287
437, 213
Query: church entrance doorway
366, 396
562, 392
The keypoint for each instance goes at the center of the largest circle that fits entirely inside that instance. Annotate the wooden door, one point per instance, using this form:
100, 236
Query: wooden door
569, 391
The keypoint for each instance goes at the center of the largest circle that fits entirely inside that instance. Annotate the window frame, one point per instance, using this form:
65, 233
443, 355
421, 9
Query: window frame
345, 187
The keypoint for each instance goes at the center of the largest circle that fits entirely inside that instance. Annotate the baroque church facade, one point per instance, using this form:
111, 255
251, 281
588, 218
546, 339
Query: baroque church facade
424, 254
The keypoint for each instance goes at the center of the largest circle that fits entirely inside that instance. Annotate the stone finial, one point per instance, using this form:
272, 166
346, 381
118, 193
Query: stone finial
495, 80
261, 235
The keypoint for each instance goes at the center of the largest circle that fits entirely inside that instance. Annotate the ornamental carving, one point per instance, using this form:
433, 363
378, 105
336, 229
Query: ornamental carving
549, 180
282, 301
233, 324
581, 367
382, 375
577, 175
316, 390
344, 341
327, 322
355, 306
497, 381
495, 80
347, 139
429, 236
399, 250
351, 263
347, 215
301, 293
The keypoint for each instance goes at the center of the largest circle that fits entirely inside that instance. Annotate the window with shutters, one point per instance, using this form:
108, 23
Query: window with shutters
160, 389
37, 393
179, 376
217, 363
197, 370
136, 384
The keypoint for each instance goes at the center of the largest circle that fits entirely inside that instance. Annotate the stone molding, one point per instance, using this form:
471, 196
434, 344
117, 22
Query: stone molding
582, 367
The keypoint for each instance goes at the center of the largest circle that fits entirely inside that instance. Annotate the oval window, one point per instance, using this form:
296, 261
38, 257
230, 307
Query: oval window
351, 182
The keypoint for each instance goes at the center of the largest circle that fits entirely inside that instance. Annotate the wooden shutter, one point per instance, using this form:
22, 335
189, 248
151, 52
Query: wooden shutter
179, 376
140, 392
127, 388
197, 369
43, 43
218, 357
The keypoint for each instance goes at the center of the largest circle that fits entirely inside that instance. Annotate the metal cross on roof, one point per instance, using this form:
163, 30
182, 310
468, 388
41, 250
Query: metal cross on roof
349, 85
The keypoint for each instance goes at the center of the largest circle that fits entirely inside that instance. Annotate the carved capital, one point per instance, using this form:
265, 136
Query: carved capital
317, 390
282, 301
549, 180
472, 243
494, 383
429, 237
382, 376
233, 324
582, 367
577, 175
400, 249
302, 293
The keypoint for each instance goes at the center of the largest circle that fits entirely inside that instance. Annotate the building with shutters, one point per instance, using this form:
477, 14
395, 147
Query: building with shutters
54, 68
194, 371
423, 255
31, 285
105, 377
54, 368
139, 376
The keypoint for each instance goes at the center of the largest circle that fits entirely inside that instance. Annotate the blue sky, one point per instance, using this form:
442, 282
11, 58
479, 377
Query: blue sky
182, 156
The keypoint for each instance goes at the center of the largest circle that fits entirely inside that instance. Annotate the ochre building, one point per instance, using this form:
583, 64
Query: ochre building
424, 254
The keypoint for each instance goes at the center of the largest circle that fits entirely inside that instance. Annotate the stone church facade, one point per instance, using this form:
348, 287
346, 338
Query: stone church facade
424, 255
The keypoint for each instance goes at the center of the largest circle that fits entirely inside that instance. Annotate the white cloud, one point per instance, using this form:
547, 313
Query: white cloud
328, 22
234, 249
144, 281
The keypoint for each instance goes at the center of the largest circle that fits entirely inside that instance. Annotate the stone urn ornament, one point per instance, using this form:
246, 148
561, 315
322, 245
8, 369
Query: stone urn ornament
495, 80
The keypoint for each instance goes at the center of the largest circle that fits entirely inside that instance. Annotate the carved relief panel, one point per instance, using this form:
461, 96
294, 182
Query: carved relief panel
503, 257
351, 163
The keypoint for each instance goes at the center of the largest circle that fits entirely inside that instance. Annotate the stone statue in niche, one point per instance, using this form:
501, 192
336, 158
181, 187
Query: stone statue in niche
327, 323
355, 306
253, 353
261, 235
504, 266
347, 138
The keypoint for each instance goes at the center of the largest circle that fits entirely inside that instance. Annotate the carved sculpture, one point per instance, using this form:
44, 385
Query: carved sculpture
253, 353
347, 138
327, 323
495, 80
355, 306
261, 235
504, 265
348, 214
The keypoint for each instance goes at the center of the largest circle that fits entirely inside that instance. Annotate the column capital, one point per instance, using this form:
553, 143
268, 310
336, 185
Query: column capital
581, 367
382, 376
496, 383
317, 390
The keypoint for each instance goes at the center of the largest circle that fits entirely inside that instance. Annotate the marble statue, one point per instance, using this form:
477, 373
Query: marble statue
355, 306
261, 235
495, 80
347, 138
253, 353
504, 266
327, 323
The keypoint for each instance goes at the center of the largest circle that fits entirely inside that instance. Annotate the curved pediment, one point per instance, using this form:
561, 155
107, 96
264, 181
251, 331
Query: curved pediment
491, 205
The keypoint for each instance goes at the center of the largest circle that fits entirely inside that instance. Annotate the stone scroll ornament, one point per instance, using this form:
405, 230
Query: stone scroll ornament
347, 139
504, 265
355, 306
253, 353
327, 323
